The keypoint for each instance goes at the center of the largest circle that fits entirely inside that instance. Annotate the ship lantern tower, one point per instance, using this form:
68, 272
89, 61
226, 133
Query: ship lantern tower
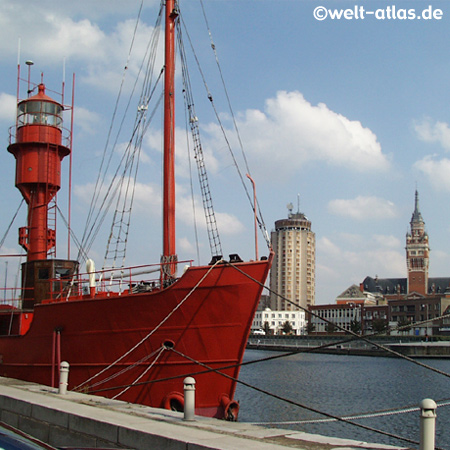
38, 151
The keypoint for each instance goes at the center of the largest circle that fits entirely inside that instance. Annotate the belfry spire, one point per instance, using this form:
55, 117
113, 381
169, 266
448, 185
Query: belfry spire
416, 217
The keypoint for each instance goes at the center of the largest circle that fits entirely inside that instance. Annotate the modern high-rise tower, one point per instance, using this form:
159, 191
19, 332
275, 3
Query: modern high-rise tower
417, 253
293, 270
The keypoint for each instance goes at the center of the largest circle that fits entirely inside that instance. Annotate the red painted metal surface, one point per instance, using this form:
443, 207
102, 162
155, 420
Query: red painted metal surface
169, 252
38, 152
211, 326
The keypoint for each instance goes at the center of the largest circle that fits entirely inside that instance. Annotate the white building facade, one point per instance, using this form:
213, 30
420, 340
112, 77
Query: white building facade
342, 315
277, 319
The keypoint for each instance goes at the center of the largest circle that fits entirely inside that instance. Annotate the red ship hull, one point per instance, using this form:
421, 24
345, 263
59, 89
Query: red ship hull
188, 333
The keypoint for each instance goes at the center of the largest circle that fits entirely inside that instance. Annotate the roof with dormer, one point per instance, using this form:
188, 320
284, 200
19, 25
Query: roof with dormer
352, 292
391, 286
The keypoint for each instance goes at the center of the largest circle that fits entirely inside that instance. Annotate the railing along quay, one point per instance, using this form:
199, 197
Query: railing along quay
411, 346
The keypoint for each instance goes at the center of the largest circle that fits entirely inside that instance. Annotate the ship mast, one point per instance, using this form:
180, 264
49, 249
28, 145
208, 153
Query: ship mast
169, 257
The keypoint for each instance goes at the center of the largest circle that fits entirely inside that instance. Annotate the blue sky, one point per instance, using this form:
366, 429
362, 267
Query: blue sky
351, 115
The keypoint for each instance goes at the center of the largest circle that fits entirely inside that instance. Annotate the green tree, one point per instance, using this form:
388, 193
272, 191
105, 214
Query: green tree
355, 326
266, 328
330, 327
310, 327
403, 325
379, 326
286, 327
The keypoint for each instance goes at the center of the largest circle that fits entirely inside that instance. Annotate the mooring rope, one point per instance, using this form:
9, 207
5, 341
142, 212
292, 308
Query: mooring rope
147, 369
154, 329
300, 405
124, 370
352, 333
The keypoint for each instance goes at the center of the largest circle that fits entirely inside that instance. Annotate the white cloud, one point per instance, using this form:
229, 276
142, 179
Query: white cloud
227, 224
146, 196
8, 105
104, 70
437, 171
433, 132
363, 208
154, 143
48, 35
435, 168
86, 120
328, 247
387, 241
185, 245
291, 132
98, 10
339, 260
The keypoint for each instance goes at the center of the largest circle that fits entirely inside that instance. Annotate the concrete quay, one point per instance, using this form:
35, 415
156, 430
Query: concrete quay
84, 420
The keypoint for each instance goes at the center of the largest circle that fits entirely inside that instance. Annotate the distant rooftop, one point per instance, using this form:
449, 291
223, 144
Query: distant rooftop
389, 286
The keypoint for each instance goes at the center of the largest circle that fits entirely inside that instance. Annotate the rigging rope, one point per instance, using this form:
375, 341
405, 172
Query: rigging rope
369, 415
330, 417
211, 223
194, 214
154, 329
97, 188
72, 234
225, 136
355, 335
93, 224
121, 372
146, 370
11, 223
122, 214
261, 222
286, 400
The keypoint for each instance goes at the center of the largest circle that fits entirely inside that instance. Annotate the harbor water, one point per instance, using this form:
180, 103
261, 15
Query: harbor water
344, 385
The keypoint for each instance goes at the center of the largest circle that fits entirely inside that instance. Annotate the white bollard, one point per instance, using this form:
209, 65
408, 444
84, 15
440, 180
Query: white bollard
63, 377
427, 424
189, 398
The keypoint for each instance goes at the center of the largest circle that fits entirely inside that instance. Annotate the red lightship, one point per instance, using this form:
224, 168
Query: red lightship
135, 343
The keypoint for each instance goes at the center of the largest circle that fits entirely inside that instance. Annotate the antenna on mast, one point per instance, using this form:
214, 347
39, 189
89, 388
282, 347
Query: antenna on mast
63, 80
